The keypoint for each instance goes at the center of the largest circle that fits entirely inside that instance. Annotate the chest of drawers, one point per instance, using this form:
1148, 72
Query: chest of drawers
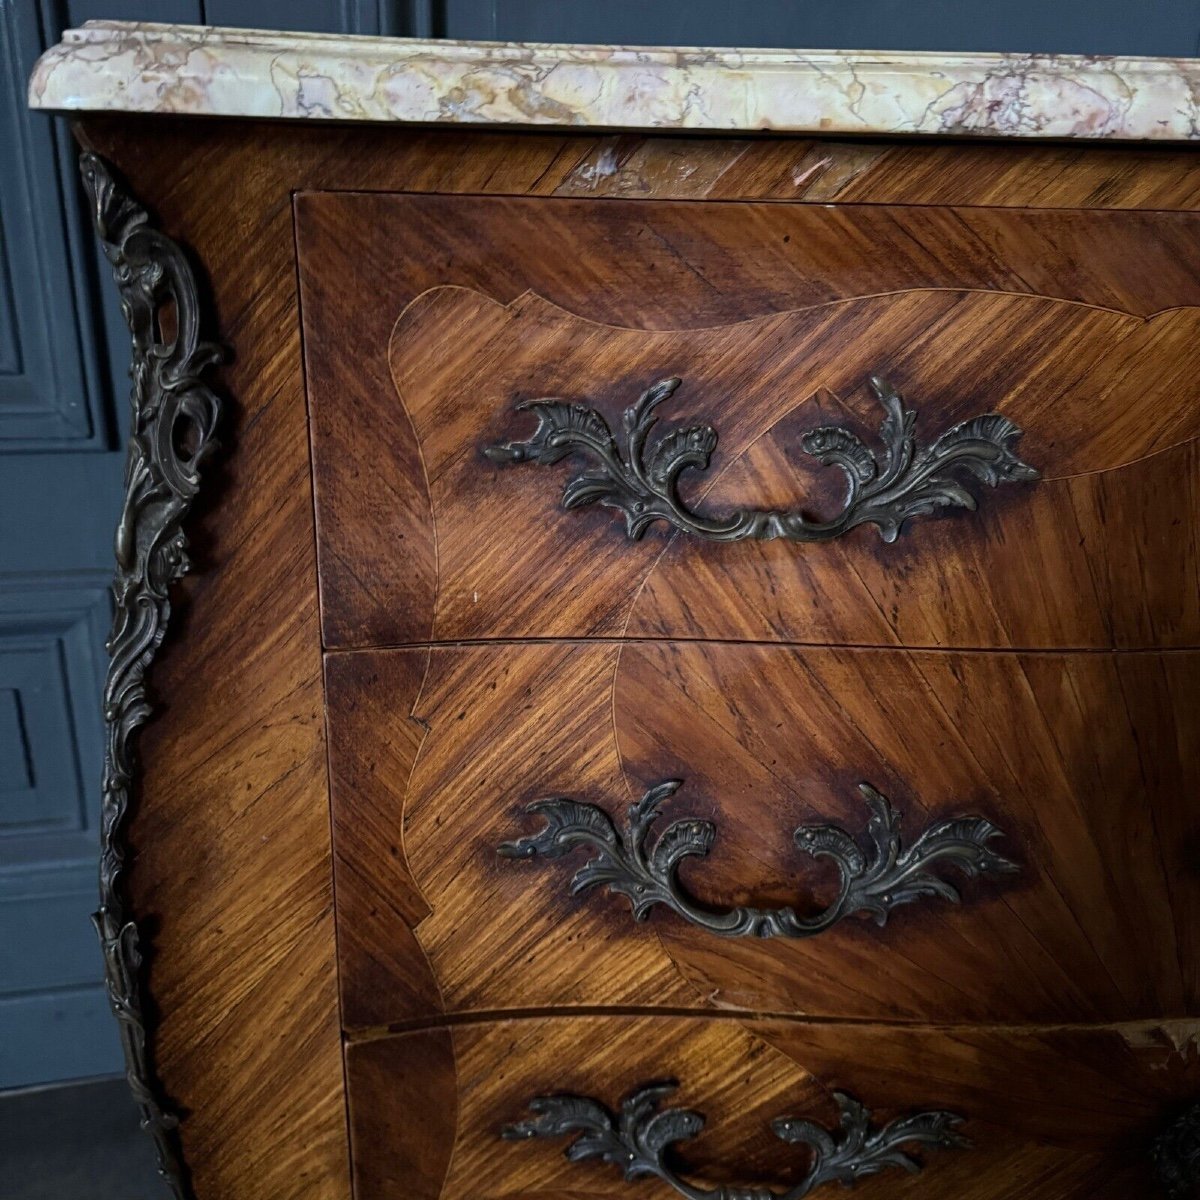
692, 651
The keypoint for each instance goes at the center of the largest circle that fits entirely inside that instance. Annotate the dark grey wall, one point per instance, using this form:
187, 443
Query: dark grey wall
58, 473
62, 409
1160, 27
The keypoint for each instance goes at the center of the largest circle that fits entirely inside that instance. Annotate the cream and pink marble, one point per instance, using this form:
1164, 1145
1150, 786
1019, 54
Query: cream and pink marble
129, 67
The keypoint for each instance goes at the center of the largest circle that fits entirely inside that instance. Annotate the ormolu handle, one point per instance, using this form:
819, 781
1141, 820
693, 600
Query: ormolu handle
874, 880
637, 1140
908, 481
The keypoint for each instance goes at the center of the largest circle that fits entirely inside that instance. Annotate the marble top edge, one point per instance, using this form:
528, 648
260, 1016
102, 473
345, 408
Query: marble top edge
117, 66
355, 44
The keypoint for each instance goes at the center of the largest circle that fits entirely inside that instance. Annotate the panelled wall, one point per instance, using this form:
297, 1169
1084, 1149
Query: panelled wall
63, 398
62, 409
59, 485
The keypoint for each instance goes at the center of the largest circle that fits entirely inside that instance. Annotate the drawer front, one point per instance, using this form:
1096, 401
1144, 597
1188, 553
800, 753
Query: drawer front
737, 407
1050, 793
1050, 1115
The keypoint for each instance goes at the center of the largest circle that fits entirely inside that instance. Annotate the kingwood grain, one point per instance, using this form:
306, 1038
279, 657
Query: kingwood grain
1061, 1114
774, 316
1086, 762
233, 870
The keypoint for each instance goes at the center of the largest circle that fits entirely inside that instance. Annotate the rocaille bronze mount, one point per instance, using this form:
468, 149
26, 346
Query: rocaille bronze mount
874, 879
907, 480
638, 1139
173, 424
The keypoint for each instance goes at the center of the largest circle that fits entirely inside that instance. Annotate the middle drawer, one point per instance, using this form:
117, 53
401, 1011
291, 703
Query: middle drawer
768, 877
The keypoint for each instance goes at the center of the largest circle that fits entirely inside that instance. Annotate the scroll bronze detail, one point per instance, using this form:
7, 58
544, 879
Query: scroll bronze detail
907, 481
1176, 1155
638, 1139
874, 880
173, 423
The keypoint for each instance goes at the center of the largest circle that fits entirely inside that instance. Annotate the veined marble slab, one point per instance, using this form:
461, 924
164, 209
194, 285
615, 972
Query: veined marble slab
116, 66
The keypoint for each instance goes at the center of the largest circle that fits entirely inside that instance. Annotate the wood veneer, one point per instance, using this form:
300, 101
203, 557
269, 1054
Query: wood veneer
794, 308
234, 866
1082, 761
1056, 1113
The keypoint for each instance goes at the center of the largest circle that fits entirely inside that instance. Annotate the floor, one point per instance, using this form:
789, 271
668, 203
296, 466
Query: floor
79, 1141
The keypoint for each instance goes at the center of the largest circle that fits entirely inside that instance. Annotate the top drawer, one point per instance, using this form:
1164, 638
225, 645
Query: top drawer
428, 319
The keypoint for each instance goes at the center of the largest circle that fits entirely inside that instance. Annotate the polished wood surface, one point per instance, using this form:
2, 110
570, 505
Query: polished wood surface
1061, 1114
233, 873
231, 832
1085, 762
774, 316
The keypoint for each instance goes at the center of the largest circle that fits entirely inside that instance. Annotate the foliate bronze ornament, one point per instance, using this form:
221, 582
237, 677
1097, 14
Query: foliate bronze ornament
174, 417
907, 481
638, 1139
875, 878
1176, 1154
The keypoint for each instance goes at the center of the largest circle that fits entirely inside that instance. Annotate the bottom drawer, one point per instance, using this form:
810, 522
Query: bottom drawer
1050, 1114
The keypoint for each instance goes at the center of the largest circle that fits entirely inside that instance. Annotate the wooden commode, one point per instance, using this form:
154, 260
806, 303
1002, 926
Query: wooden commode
691, 656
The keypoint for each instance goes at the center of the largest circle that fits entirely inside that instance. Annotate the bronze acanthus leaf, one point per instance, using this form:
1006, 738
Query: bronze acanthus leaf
637, 1140
876, 877
174, 419
907, 480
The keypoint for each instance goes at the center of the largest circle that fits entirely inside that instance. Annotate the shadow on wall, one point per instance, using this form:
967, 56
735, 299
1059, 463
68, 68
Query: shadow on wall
75, 1142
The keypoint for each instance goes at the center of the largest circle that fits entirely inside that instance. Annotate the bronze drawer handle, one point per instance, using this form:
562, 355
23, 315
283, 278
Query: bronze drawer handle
637, 1141
908, 481
875, 880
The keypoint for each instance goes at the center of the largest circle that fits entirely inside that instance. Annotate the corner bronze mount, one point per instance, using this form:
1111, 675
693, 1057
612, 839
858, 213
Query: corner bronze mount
637, 1141
1176, 1155
873, 880
908, 481
174, 419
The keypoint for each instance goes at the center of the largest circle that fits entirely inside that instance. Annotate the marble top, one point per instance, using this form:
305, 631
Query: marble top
117, 66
